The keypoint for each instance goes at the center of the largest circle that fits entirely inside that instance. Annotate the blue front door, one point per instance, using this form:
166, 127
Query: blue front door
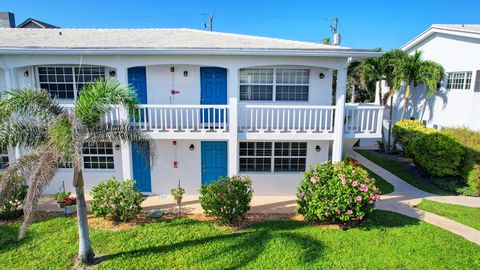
214, 161
141, 166
213, 91
137, 78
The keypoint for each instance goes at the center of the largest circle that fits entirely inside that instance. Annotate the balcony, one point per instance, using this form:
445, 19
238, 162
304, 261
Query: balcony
255, 122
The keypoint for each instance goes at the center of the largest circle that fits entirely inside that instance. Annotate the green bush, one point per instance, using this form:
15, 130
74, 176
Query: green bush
437, 154
11, 204
405, 132
473, 180
227, 199
336, 192
116, 200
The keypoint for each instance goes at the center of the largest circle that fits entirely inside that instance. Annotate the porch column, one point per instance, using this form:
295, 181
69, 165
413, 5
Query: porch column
232, 121
341, 90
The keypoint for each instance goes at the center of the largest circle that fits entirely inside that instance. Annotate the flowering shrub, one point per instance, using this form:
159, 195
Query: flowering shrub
63, 199
10, 204
116, 200
228, 199
336, 192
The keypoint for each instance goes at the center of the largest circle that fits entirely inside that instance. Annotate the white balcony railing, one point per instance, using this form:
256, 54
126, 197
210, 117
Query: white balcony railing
312, 122
363, 120
286, 119
182, 118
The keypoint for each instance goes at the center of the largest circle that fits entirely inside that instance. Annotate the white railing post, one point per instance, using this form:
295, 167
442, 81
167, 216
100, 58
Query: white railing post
337, 150
233, 138
380, 120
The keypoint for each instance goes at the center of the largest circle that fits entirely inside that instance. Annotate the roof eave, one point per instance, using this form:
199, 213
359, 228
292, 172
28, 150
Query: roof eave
357, 54
432, 30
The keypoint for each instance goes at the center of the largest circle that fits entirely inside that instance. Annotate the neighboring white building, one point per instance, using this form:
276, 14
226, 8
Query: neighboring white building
457, 103
213, 103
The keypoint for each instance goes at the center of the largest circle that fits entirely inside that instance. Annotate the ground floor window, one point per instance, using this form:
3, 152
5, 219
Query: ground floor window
98, 155
273, 156
3, 158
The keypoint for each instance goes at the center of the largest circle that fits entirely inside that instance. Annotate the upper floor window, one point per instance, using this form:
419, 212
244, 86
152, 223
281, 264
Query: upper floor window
3, 158
64, 82
459, 80
279, 156
282, 84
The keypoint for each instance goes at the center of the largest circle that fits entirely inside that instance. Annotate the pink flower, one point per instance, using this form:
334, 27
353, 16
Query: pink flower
325, 162
361, 217
354, 183
344, 182
314, 180
377, 197
349, 212
367, 180
370, 202
359, 198
350, 198
341, 176
339, 211
363, 188
374, 187
301, 195
372, 196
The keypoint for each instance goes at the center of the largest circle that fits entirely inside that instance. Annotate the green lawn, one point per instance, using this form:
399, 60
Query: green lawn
398, 168
469, 216
385, 240
384, 186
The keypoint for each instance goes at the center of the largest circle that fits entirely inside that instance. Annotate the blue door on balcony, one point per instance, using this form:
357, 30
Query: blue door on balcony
213, 91
214, 161
137, 78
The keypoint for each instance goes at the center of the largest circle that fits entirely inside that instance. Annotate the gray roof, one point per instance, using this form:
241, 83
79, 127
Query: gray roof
470, 28
12, 39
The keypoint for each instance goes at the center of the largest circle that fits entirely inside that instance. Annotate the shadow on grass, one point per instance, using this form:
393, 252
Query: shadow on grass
8, 236
246, 246
381, 219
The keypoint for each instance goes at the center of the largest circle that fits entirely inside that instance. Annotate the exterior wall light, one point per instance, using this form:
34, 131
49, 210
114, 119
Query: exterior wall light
192, 147
26, 74
185, 73
117, 147
113, 73
318, 148
172, 69
321, 75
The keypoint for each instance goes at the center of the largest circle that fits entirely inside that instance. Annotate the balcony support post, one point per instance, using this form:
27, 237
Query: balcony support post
341, 90
233, 121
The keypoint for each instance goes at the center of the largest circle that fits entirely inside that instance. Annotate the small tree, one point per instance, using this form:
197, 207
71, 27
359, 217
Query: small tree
177, 194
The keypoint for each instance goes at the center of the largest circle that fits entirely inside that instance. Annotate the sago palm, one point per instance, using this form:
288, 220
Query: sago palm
413, 70
52, 136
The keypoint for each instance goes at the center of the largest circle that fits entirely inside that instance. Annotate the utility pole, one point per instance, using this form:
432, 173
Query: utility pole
334, 29
211, 22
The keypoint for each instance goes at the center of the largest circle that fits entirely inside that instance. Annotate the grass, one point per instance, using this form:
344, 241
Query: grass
398, 168
469, 216
384, 186
386, 240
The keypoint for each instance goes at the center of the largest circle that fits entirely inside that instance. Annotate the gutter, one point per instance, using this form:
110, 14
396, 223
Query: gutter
253, 52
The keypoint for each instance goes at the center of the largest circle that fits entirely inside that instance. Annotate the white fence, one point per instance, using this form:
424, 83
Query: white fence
363, 120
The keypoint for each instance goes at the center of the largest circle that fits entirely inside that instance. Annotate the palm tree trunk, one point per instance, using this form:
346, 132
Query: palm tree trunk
407, 95
85, 251
390, 124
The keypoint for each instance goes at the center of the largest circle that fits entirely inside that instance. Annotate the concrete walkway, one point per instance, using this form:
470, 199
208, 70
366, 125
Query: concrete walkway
406, 196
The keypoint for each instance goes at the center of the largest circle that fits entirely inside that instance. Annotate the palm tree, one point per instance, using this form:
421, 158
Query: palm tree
413, 70
32, 119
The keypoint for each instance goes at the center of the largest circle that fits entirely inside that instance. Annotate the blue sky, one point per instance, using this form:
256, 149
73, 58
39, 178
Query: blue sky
363, 24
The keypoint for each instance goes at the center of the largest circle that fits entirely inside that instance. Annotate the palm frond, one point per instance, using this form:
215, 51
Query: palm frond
97, 98
61, 136
120, 131
19, 130
38, 168
28, 101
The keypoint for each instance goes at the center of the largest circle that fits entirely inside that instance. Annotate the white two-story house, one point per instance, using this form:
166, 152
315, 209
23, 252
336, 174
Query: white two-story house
457, 102
212, 104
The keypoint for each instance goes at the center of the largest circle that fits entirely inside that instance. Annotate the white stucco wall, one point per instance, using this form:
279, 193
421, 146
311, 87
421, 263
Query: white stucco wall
91, 176
449, 108
164, 176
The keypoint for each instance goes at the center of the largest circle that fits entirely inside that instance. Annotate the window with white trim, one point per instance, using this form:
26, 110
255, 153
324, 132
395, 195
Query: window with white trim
459, 80
273, 157
3, 158
64, 82
282, 84
98, 155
